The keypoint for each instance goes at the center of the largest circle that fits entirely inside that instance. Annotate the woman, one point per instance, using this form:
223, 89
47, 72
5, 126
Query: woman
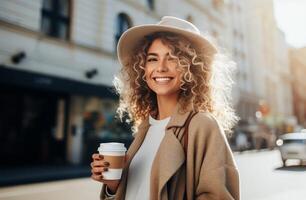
174, 92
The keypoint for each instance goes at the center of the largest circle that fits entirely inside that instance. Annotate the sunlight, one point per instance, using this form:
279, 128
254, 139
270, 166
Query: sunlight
290, 16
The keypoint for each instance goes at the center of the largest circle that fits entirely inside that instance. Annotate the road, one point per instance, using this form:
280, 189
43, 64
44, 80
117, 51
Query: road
262, 178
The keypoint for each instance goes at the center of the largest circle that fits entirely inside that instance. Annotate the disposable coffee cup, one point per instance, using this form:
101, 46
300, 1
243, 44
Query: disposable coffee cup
114, 154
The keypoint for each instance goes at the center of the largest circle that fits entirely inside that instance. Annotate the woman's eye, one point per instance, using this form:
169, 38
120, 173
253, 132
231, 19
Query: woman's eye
151, 59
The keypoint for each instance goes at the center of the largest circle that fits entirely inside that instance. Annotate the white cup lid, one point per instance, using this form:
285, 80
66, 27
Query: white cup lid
112, 146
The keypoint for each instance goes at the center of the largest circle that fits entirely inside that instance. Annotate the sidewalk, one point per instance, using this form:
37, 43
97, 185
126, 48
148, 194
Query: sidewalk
43, 173
76, 189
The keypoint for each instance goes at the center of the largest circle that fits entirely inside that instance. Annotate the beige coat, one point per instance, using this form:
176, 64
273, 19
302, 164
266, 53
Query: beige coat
211, 170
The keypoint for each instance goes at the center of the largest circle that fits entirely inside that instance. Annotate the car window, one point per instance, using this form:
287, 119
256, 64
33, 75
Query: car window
294, 141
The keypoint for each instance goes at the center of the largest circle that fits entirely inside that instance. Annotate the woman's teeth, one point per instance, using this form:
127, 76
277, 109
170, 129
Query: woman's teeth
163, 79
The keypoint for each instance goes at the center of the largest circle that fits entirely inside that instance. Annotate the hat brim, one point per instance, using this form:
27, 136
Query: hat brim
130, 39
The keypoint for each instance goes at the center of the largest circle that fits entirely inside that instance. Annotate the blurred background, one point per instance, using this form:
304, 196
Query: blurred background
57, 102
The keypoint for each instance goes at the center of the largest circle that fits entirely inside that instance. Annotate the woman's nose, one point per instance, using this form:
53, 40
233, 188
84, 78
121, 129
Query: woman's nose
162, 66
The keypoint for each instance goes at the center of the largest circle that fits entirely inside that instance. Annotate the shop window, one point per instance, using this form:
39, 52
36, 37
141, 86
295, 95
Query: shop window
101, 124
55, 18
123, 23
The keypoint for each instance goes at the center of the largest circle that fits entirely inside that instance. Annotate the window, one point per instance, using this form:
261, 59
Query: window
151, 4
123, 23
56, 18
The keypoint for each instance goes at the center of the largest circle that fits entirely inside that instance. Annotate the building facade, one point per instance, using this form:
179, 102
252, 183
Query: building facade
246, 100
298, 68
269, 63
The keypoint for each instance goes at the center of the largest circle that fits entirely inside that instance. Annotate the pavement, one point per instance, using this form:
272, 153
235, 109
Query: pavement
76, 189
42, 173
262, 177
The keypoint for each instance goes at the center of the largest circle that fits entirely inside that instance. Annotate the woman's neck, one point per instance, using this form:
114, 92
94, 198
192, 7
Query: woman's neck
166, 106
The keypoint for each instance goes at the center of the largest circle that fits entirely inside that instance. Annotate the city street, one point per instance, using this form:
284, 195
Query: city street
73, 75
262, 178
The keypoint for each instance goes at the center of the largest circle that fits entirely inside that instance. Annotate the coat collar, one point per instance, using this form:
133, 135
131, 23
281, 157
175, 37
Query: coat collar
178, 117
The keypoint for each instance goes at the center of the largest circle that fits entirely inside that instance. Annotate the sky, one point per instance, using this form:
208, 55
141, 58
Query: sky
291, 19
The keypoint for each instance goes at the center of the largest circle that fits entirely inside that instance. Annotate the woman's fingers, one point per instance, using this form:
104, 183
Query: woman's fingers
98, 170
97, 156
100, 163
98, 166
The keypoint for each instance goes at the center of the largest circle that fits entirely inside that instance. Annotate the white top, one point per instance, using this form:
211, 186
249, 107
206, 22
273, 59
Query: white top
138, 185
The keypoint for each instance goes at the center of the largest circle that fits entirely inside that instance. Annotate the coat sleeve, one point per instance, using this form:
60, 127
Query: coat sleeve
103, 194
215, 175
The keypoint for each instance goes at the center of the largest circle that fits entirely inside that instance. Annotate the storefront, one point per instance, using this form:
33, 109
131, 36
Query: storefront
50, 121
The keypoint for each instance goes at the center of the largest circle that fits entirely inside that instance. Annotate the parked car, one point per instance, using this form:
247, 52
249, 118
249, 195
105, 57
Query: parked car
292, 146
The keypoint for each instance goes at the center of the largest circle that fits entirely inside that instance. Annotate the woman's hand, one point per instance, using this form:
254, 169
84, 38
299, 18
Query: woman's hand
98, 166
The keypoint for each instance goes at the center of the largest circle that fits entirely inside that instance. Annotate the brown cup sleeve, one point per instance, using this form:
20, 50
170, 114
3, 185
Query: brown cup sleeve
116, 162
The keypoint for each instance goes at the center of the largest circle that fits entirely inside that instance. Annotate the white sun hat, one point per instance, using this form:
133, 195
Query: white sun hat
130, 39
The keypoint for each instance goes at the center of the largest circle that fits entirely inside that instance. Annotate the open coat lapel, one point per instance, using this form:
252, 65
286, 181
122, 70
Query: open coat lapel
169, 157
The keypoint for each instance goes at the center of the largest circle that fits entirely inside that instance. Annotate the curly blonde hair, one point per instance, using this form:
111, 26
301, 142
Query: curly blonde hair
205, 84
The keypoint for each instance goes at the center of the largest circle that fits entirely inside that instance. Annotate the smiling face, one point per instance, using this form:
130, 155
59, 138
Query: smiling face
161, 71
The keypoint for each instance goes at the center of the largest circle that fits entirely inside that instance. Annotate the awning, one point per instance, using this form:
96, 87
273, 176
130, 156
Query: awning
28, 79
